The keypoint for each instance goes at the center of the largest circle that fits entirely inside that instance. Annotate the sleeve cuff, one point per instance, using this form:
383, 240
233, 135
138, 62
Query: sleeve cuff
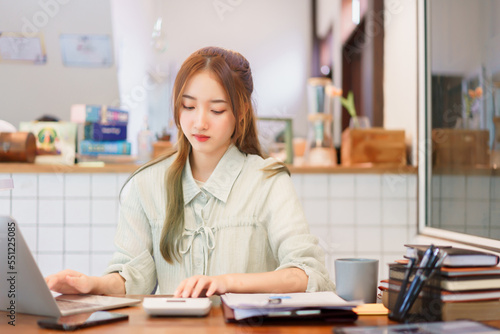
139, 274
315, 280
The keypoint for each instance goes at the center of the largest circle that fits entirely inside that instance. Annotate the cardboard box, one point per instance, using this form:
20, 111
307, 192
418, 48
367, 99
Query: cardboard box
373, 147
460, 148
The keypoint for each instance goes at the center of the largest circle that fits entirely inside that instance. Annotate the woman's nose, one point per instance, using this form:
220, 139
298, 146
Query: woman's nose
201, 119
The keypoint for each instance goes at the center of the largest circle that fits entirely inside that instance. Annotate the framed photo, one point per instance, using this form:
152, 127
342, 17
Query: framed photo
86, 50
55, 141
15, 47
275, 137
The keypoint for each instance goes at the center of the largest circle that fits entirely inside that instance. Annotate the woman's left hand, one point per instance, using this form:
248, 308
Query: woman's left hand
196, 285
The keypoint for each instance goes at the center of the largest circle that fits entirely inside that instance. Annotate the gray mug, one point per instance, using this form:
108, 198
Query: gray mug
357, 279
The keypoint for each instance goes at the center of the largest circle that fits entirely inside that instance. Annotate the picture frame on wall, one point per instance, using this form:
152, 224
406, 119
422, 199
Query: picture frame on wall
86, 50
16, 47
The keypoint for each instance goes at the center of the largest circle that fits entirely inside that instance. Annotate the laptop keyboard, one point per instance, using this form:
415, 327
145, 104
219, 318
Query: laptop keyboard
70, 305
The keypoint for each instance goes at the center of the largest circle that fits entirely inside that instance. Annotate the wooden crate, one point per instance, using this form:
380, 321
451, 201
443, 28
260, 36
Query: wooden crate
460, 148
160, 147
373, 147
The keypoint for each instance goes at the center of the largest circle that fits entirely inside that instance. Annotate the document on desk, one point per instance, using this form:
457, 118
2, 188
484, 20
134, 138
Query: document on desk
255, 304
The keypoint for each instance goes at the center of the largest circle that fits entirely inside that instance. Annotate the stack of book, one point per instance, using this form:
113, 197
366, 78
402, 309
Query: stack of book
467, 286
105, 134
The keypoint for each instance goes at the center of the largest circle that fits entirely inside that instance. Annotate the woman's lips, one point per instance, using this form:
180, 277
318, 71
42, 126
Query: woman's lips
201, 138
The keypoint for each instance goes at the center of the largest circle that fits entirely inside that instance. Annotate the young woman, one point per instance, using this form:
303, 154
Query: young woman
212, 216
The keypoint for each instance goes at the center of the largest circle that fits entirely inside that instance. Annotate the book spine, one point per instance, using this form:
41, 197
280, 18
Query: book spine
89, 147
105, 115
99, 132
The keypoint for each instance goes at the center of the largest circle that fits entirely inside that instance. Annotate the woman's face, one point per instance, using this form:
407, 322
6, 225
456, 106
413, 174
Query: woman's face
206, 117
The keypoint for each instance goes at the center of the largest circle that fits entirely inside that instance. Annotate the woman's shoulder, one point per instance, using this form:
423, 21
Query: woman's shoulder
155, 168
266, 167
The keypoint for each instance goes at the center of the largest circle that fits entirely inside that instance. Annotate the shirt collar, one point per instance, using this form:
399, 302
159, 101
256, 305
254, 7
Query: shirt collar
222, 179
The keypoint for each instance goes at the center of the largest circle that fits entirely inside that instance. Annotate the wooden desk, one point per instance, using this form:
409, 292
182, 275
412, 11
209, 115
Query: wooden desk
139, 322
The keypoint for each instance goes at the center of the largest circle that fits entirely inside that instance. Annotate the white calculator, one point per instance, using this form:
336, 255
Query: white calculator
196, 307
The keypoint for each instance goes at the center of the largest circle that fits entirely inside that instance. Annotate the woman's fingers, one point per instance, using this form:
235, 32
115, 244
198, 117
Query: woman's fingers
69, 282
193, 286
188, 288
211, 289
81, 284
180, 288
202, 284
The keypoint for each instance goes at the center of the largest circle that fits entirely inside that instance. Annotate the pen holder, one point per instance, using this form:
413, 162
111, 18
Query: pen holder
427, 306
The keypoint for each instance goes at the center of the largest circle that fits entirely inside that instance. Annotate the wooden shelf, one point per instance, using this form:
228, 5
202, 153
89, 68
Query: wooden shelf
353, 170
14, 168
38, 168
480, 170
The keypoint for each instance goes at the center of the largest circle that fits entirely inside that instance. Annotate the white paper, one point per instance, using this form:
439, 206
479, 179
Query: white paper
289, 300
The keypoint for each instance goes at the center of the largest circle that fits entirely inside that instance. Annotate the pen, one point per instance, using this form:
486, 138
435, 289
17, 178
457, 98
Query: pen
402, 291
428, 264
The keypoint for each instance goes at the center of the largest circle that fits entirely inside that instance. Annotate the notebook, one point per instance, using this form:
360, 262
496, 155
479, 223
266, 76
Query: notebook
24, 289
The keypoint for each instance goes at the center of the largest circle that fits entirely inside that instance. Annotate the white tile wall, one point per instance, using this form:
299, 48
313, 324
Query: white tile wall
342, 211
25, 185
78, 262
367, 186
394, 186
77, 211
77, 185
77, 239
50, 263
368, 212
25, 211
50, 211
341, 186
69, 220
5, 204
51, 185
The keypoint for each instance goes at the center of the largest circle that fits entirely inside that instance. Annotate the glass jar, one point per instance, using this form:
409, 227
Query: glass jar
320, 150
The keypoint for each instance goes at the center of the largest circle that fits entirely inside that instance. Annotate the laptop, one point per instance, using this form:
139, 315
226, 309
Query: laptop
23, 288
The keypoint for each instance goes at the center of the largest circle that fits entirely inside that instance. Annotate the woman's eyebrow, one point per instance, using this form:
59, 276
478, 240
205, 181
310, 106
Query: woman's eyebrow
212, 101
219, 101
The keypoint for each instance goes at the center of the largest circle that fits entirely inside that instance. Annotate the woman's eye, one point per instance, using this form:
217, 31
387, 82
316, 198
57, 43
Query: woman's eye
187, 108
217, 112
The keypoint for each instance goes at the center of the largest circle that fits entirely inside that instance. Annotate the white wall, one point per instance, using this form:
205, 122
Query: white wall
465, 35
29, 91
451, 19
400, 69
275, 36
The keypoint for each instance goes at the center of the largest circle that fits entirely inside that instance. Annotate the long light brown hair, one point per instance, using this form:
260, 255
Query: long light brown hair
233, 72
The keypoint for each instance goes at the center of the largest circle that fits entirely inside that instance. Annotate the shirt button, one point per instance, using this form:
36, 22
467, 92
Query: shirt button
203, 195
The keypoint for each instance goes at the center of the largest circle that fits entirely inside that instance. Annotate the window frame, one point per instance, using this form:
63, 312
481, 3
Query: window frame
425, 145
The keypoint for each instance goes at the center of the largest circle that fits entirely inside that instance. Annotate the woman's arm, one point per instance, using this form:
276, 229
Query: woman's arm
280, 281
73, 282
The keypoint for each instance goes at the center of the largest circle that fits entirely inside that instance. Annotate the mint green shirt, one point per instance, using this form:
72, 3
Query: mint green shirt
239, 221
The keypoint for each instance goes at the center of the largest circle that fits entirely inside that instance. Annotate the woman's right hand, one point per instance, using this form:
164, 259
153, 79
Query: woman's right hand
70, 282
